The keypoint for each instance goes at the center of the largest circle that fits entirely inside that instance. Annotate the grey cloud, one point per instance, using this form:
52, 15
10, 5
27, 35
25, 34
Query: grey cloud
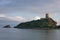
34, 6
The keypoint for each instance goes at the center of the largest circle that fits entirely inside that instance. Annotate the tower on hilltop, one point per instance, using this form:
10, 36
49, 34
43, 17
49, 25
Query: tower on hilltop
47, 16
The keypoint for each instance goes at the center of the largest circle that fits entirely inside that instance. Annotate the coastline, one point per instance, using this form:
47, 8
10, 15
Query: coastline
39, 28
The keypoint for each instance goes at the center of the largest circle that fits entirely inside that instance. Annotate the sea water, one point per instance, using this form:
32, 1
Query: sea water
28, 34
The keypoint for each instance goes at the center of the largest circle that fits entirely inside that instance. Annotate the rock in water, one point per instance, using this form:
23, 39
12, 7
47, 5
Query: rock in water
7, 26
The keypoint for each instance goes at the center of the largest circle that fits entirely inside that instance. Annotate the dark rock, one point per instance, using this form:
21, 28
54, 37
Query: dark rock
7, 26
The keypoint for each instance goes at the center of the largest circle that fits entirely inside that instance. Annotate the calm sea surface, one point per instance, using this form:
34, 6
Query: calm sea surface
54, 34
28, 34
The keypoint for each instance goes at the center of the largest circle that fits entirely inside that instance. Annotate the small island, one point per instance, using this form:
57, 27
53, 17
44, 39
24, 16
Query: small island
43, 23
7, 26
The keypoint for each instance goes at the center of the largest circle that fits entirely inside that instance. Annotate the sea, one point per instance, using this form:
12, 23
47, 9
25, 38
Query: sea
29, 34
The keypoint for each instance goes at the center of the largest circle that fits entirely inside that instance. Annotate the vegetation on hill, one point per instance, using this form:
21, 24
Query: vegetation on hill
35, 24
46, 22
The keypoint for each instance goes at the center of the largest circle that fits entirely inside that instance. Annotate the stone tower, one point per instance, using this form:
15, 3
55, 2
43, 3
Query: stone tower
47, 16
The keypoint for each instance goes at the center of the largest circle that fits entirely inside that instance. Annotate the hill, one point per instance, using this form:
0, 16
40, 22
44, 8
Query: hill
43, 23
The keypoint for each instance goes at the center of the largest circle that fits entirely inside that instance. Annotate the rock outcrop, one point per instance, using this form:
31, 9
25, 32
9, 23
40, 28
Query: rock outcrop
7, 26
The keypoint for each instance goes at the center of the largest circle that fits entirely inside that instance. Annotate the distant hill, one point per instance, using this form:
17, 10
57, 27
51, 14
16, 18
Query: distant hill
58, 26
41, 23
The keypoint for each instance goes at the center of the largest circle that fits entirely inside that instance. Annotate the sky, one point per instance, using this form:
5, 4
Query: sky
13, 12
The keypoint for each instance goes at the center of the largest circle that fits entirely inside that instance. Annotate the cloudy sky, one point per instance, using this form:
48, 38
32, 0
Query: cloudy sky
14, 12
